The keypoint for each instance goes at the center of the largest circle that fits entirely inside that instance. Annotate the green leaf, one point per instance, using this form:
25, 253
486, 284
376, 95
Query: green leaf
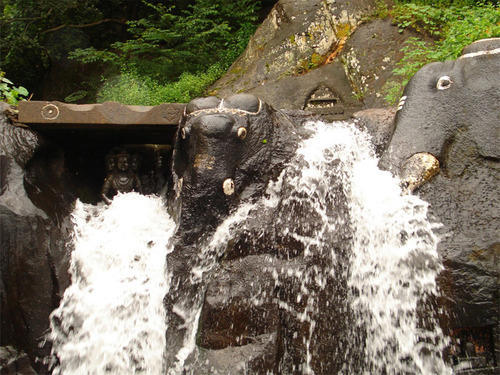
22, 91
3, 79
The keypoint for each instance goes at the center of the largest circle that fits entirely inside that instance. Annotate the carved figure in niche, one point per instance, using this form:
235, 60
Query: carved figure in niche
159, 173
121, 176
135, 163
110, 163
154, 182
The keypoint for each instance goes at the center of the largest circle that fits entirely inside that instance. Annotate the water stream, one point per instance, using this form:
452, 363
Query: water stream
112, 320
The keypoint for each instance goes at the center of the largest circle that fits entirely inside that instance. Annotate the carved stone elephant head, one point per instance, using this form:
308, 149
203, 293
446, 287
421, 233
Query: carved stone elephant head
447, 98
226, 150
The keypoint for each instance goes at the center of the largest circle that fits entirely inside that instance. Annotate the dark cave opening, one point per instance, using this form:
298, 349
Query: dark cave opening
71, 162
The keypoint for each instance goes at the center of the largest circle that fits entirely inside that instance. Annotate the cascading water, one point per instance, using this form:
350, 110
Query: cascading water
393, 266
381, 281
111, 319
364, 261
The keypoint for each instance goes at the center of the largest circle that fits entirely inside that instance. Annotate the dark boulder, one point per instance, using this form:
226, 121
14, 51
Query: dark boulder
254, 312
33, 253
13, 362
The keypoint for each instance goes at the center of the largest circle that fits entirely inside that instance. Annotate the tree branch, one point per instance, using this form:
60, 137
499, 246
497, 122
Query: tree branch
121, 21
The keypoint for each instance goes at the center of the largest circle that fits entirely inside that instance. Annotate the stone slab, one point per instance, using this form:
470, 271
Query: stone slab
109, 113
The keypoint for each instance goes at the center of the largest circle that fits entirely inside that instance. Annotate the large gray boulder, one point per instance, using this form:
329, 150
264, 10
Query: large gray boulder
297, 37
334, 56
450, 111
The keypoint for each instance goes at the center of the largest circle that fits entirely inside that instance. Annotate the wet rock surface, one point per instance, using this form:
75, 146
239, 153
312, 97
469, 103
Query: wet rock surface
379, 124
14, 362
242, 140
255, 315
460, 128
34, 258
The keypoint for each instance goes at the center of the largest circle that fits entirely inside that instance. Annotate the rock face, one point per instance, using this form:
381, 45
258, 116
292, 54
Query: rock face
450, 110
334, 56
14, 362
369, 56
33, 254
296, 37
379, 124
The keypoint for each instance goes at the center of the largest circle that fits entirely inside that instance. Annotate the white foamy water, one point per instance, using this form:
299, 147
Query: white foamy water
393, 264
111, 319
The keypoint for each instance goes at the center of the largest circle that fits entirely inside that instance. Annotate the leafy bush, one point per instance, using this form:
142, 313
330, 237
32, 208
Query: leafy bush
10, 93
135, 89
174, 56
453, 27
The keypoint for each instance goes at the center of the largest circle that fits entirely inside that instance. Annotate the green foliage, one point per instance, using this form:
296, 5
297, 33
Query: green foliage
165, 44
76, 96
24, 28
453, 27
135, 89
10, 93
174, 56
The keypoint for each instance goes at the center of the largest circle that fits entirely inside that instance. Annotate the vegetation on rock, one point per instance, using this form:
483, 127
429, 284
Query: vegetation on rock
446, 27
9, 93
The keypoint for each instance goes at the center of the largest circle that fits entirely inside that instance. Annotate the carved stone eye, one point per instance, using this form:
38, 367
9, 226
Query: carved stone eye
242, 133
444, 83
228, 186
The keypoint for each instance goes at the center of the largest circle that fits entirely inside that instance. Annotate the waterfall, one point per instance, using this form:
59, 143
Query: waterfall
393, 265
389, 270
111, 319
393, 261
363, 270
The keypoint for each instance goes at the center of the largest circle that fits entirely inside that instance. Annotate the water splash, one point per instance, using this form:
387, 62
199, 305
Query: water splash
331, 193
351, 257
111, 319
393, 263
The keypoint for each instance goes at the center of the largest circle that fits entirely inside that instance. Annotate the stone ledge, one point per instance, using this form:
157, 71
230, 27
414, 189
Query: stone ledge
109, 113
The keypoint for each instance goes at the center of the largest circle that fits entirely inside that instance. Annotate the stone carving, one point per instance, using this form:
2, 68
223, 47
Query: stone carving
122, 175
449, 114
225, 154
